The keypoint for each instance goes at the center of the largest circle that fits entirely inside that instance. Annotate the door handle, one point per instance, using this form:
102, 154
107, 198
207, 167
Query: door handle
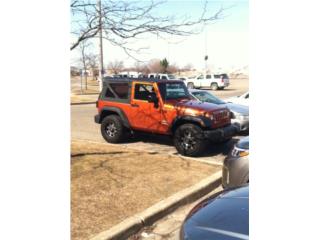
134, 105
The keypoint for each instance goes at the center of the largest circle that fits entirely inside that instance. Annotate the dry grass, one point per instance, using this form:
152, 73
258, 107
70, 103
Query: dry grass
110, 183
83, 98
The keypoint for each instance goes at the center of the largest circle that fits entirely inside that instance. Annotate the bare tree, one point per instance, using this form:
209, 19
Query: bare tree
115, 66
84, 45
154, 66
187, 67
93, 64
126, 20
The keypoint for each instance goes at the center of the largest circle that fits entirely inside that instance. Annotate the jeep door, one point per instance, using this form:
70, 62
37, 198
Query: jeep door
145, 115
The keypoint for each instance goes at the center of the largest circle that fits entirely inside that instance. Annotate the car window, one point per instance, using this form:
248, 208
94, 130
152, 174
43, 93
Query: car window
109, 94
171, 76
163, 77
121, 89
200, 77
247, 96
142, 91
208, 76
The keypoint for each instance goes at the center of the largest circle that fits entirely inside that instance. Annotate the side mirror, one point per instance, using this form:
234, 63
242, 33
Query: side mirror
152, 98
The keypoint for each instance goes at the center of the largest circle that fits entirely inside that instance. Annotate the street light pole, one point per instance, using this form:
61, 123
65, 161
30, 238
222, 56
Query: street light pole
101, 70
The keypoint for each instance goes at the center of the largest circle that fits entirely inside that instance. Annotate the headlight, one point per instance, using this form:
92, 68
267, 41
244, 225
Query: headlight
238, 152
209, 115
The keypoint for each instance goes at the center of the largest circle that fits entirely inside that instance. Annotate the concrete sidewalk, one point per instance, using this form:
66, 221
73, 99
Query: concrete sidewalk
168, 228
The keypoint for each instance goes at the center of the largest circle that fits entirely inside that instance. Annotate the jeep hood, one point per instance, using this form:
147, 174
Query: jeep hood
187, 104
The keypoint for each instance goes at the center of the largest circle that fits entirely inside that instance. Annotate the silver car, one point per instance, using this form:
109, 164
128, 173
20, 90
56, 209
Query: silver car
240, 113
235, 171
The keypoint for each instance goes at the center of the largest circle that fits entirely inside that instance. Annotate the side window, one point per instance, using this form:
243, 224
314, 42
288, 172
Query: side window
200, 77
247, 96
109, 94
142, 91
208, 76
121, 89
163, 77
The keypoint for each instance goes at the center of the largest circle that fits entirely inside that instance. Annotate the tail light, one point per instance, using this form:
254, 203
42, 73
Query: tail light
222, 79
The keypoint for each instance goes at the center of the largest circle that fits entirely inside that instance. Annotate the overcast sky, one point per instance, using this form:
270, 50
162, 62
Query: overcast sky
227, 39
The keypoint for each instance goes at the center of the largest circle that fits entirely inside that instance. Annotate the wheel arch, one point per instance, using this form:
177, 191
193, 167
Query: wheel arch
199, 121
106, 111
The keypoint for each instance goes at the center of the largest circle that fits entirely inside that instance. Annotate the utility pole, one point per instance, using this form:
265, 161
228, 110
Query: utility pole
101, 70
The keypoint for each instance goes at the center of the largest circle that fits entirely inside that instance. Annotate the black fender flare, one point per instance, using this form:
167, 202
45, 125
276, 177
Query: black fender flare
203, 121
109, 110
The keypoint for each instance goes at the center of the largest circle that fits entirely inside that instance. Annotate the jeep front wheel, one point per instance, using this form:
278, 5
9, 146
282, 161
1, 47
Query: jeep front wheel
188, 140
112, 129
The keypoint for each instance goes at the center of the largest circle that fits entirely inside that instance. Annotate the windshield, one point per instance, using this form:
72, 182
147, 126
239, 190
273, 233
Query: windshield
207, 97
171, 76
173, 90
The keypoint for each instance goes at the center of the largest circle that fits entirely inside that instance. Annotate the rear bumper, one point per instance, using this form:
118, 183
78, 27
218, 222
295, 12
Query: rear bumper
97, 118
221, 133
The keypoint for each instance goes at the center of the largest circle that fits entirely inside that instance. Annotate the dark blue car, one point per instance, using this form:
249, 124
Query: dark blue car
224, 216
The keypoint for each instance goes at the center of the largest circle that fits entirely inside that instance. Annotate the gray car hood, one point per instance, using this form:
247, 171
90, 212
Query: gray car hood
243, 110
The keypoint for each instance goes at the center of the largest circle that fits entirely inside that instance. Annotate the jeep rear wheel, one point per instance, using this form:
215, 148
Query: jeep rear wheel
214, 86
190, 85
188, 140
112, 129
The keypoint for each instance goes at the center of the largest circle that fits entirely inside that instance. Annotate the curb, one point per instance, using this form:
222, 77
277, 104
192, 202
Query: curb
82, 103
134, 224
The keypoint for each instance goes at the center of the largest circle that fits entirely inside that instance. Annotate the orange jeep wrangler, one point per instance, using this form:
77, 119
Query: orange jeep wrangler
160, 107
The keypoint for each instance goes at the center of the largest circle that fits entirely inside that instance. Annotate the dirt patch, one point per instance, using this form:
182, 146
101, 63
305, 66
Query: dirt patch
110, 183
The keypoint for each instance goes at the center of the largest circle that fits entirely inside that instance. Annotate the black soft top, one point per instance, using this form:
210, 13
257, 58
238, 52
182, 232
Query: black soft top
130, 80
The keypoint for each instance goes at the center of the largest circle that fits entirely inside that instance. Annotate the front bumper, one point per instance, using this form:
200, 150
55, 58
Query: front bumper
242, 122
221, 133
235, 171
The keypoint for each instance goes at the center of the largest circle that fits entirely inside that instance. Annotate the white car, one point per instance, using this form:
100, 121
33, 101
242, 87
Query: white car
162, 76
242, 99
213, 81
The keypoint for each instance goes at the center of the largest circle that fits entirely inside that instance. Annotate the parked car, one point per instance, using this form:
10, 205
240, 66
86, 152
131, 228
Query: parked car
240, 113
213, 81
235, 170
161, 107
162, 76
241, 99
224, 216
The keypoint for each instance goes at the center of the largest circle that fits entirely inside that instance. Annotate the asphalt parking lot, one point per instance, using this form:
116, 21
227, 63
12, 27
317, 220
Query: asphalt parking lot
83, 127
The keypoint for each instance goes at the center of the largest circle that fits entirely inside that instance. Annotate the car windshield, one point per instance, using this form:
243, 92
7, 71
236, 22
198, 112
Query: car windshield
171, 76
207, 97
173, 90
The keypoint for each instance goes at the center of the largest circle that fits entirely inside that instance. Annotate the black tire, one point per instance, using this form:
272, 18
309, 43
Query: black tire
214, 86
221, 88
190, 85
112, 129
188, 140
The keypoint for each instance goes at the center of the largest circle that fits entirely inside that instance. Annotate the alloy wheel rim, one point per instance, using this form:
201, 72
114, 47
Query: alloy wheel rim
188, 140
111, 130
